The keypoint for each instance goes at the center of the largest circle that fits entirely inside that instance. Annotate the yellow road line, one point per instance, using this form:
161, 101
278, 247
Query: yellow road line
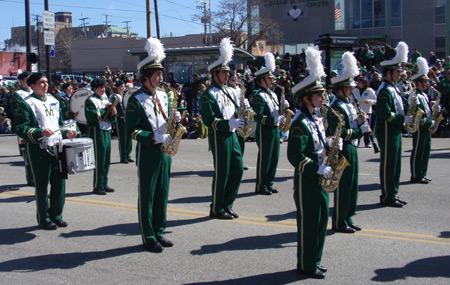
288, 224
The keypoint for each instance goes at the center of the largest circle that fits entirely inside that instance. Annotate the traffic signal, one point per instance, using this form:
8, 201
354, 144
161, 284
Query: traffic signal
32, 57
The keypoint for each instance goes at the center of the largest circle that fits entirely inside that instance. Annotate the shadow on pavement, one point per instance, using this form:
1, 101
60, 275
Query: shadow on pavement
63, 260
204, 199
283, 277
249, 243
432, 267
370, 187
177, 223
277, 179
205, 173
445, 235
116, 230
287, 216
18, 235
12, 187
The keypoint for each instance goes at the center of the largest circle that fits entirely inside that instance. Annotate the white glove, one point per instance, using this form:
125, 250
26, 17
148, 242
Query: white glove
433, 123
163, 138
340, 142
177, 117
246, 104
286, 104
325, 171
365, 128
236, 124
409, 120
281, 120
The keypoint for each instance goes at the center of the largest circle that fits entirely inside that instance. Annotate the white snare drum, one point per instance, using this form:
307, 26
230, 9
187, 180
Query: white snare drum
76, 104
79, 154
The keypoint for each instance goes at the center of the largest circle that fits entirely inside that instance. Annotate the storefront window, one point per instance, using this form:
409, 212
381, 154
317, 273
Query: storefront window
367, 13
439, 11
396, 13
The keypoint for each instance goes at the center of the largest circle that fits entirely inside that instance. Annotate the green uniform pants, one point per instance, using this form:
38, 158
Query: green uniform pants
102, 150
346, 195
241, 141
228, 169
312, 219
390, 140
124, 140
45, 169
26, 160
268, 141
420, 153
154, 177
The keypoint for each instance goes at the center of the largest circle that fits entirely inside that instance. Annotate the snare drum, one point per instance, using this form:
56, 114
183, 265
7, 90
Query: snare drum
79, 154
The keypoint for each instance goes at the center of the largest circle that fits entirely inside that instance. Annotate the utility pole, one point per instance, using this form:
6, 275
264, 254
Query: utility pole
38, 41
157, 19
206, 18
28, 32
84, 25
106, 22
149, 20
47, 53
128, 28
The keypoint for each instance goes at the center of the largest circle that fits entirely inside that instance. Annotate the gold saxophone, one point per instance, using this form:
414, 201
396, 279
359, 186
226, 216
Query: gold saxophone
416, 114
336, 162
174, 129
284, 127
436, 114
245, 113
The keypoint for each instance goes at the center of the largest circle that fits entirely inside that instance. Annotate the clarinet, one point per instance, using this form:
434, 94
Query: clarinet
376, 149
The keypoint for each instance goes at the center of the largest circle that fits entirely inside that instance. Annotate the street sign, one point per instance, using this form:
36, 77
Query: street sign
49, 38
48, 19
52, 51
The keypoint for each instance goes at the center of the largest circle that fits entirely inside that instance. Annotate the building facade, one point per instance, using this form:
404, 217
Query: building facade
423, 24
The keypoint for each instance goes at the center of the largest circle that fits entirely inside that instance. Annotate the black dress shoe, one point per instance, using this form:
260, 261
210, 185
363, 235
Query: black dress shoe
322, 268
108, 189
393, 203
124, 161
404, 202
231, 212
346, 230
420, 180
356, 227
165, 242
60, 223
312, 274
99, 191
221, 216
272, 190
49, 226
263, 192
428, 179
130, 160
245, 168
153, 247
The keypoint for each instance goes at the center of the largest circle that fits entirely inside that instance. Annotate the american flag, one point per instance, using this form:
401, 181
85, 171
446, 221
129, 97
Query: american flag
337, 11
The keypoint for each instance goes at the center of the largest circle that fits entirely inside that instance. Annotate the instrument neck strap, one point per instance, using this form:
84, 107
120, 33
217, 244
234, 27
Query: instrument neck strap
159, 104
313, 120
236, 107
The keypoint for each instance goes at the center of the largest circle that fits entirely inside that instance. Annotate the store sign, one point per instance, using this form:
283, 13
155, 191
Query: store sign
302, 3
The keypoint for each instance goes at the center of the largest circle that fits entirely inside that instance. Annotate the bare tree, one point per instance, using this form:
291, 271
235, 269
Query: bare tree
232, 18
63, 51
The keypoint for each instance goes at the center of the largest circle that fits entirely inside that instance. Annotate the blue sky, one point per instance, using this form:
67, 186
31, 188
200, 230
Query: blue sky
175, 15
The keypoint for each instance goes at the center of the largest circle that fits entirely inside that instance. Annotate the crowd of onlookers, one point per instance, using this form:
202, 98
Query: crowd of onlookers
290, 69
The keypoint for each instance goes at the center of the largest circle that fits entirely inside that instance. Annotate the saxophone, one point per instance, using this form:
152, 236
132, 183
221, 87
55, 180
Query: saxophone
245, 113
337, 164
176, 130
416, 114
436, 114
284, 127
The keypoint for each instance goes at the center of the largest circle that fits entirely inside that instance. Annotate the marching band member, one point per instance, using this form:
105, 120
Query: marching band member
346, 195
390, 117
124, 140
420, 153
307, 153
99, 130
38, 117
220, 113
145, 122
266, 106
13, 103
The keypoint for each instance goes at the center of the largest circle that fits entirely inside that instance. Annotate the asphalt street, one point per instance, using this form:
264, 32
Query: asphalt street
102, 244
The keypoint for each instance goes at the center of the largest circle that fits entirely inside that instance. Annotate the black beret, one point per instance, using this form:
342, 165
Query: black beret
98, 82
23, 75
120, 82
34, 77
